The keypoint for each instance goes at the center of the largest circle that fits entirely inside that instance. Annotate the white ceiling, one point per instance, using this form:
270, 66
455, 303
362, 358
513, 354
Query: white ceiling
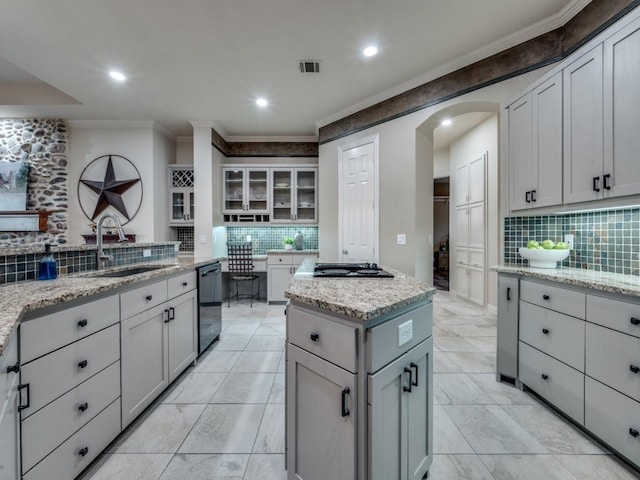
208, 60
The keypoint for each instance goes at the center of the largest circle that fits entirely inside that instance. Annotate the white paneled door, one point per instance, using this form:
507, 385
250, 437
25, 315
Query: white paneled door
358, 202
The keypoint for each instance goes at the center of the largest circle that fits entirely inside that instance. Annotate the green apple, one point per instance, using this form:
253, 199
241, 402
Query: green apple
548, 244
532, 244
561, 246
539, 247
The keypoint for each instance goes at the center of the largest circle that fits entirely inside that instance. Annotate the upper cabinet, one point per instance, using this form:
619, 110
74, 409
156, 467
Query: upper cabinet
181, 195
294, 195
245, 190
535, 146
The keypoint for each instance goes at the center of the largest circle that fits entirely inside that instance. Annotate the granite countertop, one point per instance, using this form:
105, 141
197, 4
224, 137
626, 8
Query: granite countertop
361, 299
38, 249
603, 281
18, 299
294, 251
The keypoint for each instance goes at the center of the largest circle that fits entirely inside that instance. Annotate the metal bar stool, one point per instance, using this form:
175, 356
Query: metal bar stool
240, 259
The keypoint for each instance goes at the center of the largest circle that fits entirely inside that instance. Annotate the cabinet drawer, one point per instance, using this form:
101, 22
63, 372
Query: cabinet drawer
334, 341
612, 417
611, 356
45, 334
563, 386
57, 373
67, 460
559, 299
280, 260
383, 341
556, 334
181, 284
617, 314
142, 298
64, 416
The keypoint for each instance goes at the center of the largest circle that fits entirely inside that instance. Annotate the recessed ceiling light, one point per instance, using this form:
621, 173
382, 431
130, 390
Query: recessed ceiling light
446, 123
117, 76
370, 51
261, 102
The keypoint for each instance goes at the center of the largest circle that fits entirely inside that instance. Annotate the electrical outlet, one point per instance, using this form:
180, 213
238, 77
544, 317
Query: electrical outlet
146, 252
401, 239
405, 332
568, 239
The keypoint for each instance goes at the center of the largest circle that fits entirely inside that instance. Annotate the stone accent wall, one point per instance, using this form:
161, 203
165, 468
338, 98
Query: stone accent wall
44, 144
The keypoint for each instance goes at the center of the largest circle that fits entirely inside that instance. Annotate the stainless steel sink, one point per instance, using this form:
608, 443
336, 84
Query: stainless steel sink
130, 271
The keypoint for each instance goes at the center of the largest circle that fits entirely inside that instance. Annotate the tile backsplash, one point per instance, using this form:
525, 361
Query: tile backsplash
270, 238
606, 240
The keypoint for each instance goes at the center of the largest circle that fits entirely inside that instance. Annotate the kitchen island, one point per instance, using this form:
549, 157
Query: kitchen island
359, 377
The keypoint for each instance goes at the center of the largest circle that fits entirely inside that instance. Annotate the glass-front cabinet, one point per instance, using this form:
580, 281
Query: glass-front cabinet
245, 190
294, 195
181, 195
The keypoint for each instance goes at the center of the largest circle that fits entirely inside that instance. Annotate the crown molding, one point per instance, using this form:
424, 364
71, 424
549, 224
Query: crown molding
271, 139
184, 139
111, 123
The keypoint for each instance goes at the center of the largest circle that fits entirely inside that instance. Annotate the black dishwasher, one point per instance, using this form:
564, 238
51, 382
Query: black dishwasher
209, 304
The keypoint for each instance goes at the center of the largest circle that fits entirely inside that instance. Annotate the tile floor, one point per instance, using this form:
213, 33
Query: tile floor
224, 418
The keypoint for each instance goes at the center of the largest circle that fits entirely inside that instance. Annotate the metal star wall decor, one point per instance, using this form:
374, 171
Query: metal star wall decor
110, 190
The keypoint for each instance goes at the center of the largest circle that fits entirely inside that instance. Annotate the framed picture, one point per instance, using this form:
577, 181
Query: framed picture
14, 177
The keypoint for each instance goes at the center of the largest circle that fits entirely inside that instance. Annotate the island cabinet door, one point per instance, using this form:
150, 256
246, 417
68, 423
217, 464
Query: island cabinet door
321, 418
400, 416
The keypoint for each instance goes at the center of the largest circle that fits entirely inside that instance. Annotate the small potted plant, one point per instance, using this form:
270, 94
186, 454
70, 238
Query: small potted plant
288, 243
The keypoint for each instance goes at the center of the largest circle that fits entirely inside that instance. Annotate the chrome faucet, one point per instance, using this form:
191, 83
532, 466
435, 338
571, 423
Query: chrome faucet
101, 256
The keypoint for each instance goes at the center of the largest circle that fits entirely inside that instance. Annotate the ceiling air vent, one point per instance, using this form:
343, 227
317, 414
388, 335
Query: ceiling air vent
309, 66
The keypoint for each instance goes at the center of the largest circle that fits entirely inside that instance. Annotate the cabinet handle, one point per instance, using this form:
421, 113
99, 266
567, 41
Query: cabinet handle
148, 298
405, 388
13, 368
345, 410
314, 336
167, 319
184, 284
545, 376
21, 387
83, 407
83, 364
533, 195
172, 313
596, 181
635, 321
508, 294
83, 451
633, 432
545, 331
413, 365
546, 297
634, 368
605, 181
83, 323
527, 197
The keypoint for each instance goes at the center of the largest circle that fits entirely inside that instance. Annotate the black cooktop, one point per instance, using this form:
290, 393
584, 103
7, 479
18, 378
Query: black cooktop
350, 270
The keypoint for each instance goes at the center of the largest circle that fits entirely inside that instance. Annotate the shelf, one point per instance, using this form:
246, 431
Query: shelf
24, 221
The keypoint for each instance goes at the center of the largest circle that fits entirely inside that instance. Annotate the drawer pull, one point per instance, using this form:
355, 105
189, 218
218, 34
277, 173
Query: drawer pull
635, 321
546, 297
21, 387
148, 298
508, 294
13, 368
545, 331
83, 364
413, 365
633, 432
314, 336
545, 376
168, 319
172, 313
83, 451
345, 410
83, 407
184, 284
634, 368
405, 388
82, 323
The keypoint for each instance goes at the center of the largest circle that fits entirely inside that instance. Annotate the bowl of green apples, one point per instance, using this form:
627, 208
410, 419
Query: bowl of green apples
545, 254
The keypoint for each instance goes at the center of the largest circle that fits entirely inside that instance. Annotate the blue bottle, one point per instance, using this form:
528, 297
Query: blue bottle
48, 269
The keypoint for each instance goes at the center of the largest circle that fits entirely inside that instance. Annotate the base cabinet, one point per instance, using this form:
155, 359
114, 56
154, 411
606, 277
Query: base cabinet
507, 350
280, 270
9, 417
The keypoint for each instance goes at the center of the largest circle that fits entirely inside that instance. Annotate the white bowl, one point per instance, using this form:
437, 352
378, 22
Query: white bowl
543, 258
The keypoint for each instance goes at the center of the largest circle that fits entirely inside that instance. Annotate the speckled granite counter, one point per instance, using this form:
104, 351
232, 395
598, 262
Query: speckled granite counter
361, 299
18, 299
292, 251
602, 281
38, 249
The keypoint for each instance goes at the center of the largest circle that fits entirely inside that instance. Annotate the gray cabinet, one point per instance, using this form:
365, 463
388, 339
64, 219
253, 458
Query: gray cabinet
507, 349
9, 417
280, 270
183, 335
399, 411
181, 195
321, 418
